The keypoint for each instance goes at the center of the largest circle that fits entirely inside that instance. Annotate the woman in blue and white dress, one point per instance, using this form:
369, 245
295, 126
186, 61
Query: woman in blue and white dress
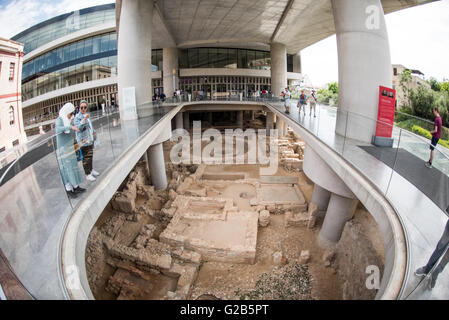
65, 150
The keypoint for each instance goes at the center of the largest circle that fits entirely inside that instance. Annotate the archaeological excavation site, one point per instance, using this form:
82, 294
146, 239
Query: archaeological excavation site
226, 231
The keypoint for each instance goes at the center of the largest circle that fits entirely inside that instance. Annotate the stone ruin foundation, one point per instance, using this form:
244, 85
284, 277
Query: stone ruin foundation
224, 231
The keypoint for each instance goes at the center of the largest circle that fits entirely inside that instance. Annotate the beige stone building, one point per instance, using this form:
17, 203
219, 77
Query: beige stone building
417, 80
12, 131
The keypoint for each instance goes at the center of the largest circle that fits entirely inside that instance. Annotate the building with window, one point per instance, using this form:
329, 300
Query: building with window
12, 131
74, 56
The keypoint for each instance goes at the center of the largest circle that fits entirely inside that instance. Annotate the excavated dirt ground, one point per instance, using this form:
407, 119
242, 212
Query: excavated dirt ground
126, 232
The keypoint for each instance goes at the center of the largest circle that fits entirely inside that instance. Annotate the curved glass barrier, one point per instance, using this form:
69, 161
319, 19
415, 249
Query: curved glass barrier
36, 205
419, 194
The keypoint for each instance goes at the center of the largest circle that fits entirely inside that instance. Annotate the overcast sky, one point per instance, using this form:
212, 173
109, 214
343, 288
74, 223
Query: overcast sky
419, 37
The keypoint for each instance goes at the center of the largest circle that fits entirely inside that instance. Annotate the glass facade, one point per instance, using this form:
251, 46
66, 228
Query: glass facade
224, 58
85, 60
215, 86
63, 25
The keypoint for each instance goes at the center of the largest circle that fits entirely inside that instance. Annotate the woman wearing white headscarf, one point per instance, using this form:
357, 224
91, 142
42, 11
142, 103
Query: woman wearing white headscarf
65, 151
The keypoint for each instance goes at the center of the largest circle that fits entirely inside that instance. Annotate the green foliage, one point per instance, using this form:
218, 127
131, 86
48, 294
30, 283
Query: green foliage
425, 133
328, 96
422, 132
434, 84
333, 87
406, 78
444, 86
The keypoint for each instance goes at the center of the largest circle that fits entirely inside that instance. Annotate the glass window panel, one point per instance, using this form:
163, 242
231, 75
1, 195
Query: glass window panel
183, 59
222, 58
80, 49
73, 51
203, 58
88, 47
193, 58
242, 59
251, 58
66, 53
113, 41
104, 42
232, 59
96, 44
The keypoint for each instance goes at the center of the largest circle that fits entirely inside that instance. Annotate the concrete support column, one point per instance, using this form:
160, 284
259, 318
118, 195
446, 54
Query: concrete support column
179, 120
280, 127
297, 63
320, 197
278, 68
364, 64
285, 129
253, 115
134, 58
269, 122
340, 210
210, 118
240, 118
157, 166
186, 121
170, 70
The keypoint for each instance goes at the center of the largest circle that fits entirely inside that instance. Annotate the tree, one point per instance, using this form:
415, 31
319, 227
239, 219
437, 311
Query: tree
406, 79
434, 84
333, 87
444, 86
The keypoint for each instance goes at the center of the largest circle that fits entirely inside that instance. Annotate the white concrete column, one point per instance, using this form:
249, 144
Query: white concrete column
339, 211
240, 118
134, 57
280, 127
157, 166
364, 64
285, 129
269, 122
252, 114
170, 70
278, 68
320, 197
317, 170
297, 67
179, 120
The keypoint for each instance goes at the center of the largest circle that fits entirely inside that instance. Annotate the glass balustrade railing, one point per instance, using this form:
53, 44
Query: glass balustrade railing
36, 205
419, 194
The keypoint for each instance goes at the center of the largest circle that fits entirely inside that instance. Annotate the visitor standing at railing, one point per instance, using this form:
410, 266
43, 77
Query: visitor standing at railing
436, 135
313, 100
65, 151
302, 102
287, 95
86, 138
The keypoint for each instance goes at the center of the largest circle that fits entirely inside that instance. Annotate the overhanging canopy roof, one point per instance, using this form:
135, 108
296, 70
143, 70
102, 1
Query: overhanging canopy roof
249, 23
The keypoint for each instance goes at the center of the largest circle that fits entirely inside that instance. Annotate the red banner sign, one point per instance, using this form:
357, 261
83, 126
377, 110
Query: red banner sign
385, 115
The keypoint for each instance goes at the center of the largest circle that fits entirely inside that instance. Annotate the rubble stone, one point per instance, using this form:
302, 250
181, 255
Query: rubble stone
304, 257
264, 218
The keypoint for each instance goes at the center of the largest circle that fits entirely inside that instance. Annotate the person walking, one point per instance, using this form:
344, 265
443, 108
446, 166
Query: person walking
287, 98
65, 151
85, 138
436, 135
442, 248
302, 102
313, 100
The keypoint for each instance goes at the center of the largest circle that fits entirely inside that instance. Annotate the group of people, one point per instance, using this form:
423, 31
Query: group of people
302, 102
75, 134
